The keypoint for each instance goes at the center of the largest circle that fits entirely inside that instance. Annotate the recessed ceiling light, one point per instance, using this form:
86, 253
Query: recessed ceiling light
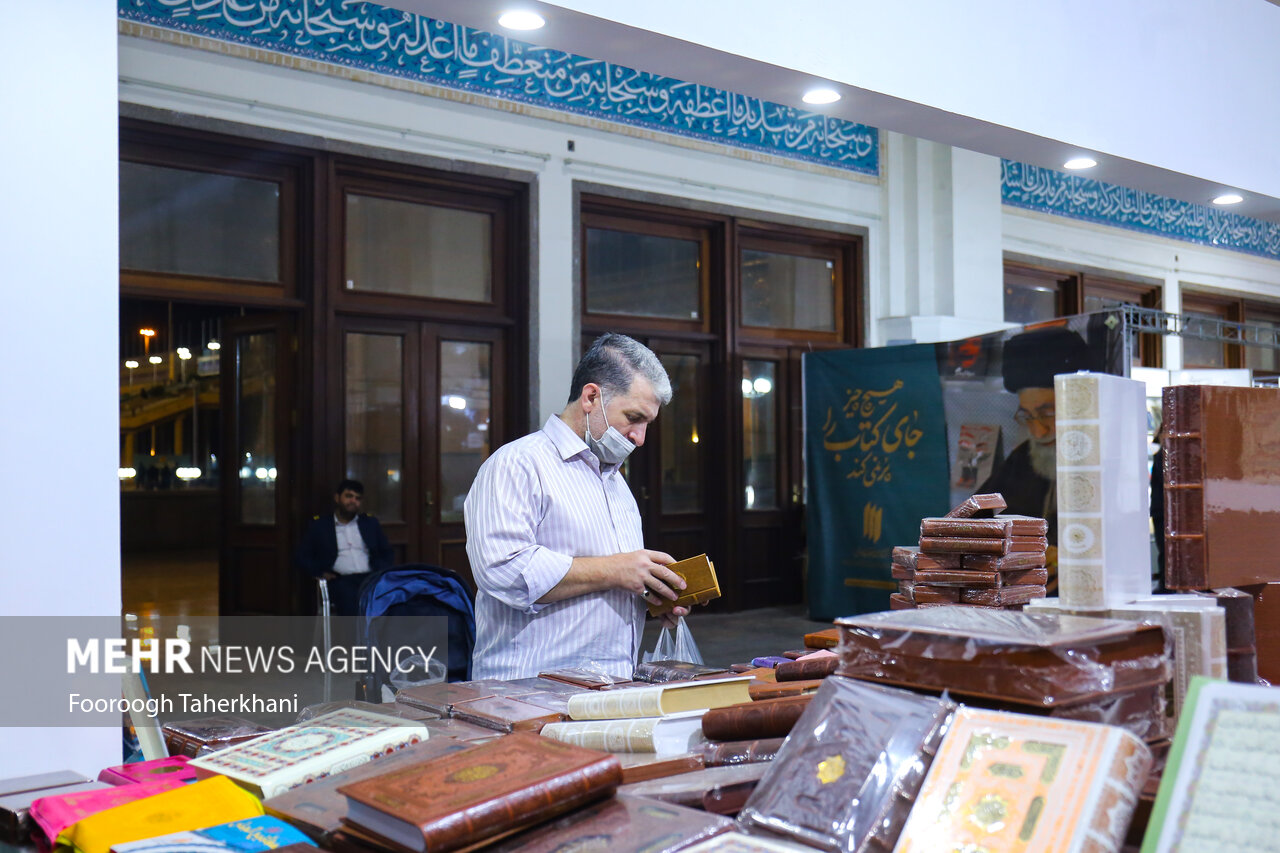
1229, 198
1080, 163
521, 19
821, 96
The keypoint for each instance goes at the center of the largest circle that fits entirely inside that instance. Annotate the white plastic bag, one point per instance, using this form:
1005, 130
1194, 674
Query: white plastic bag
675, 645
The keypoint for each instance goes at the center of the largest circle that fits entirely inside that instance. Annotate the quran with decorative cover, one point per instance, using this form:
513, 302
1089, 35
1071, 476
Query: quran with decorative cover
701, 585
1009, 782
765, 718
849, 770
468, 797
330, 743
1222, 486
194, 738
317, 809
1009, 655
623, 824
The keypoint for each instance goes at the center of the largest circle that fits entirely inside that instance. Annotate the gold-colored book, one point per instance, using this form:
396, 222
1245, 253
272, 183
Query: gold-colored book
699, 575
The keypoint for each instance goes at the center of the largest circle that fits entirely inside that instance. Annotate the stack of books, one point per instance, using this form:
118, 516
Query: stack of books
996, 561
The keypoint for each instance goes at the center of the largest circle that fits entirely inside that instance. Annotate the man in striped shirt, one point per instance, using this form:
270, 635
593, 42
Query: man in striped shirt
553, 531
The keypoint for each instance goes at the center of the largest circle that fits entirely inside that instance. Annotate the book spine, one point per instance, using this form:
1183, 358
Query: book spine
617, 704
804, 670
1186, 549
606, 735
534, 804
767, 718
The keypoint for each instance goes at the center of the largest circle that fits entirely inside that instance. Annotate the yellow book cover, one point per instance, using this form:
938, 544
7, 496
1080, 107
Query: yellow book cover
195, 806
701, 584
1012, 783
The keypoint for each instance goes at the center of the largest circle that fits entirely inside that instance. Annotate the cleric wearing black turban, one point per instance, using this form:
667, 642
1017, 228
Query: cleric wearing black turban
1028, 475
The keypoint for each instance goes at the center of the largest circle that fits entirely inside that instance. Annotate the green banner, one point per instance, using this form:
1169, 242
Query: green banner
876, 459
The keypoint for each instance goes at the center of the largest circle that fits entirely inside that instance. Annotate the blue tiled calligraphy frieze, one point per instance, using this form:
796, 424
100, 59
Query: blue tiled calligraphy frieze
388, 41
1050, 191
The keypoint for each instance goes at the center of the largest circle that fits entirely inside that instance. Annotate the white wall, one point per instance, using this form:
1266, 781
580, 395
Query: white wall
58, 345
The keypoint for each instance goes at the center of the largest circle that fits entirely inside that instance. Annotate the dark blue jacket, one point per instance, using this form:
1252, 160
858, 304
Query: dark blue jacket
319, 546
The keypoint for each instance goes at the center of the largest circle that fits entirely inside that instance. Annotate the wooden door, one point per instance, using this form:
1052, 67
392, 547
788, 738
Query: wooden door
258, 355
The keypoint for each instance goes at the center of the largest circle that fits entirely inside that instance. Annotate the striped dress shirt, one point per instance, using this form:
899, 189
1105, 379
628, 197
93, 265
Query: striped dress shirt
537, 503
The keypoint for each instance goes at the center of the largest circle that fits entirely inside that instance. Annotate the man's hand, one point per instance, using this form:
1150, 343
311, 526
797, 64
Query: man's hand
642, 572
669, 619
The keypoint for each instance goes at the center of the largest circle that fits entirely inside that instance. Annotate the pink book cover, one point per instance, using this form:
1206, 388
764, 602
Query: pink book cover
54, 814
173, 767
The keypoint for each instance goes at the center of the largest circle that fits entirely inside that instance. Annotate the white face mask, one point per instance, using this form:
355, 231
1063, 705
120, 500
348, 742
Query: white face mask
612, 448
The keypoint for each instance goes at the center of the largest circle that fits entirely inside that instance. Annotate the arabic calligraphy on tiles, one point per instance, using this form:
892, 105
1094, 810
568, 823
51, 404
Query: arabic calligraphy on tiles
389, 41
868, 431
1050, 191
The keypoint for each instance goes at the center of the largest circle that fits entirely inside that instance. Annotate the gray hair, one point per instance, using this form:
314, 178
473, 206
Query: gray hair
612, 361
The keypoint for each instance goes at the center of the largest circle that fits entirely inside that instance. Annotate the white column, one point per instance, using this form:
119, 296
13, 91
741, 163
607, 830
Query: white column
1172, 300
554, 309
59, 331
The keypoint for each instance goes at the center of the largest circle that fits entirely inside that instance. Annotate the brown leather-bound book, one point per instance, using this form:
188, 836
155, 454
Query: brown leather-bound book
741, 751
624, 824
824, 639
901, 573
754, 720
459, 730
969, 545
908, 558
663, 671
775, 690
506, 715
1005, 563
898, 601
643, 766
701, 585
461, 799
796, 653
317, 808
907, 588
979, 506
440, 697
1219, 447
194, 738
979, 579
806, 670
985, 528
922, 594
1002, 596
589, 679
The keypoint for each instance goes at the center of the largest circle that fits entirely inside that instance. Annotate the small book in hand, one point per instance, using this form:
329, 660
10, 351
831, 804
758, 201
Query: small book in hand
701, 585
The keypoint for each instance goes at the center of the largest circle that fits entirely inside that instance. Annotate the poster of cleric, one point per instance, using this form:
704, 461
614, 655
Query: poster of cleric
947, 419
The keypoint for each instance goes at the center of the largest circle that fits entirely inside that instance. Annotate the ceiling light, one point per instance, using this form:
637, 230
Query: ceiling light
131, 364
155, 359
214, 345
1229, 198
821, 96
521, 19
1080, 163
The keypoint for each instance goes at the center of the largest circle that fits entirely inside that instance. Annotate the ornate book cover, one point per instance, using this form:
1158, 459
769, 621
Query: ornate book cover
461, 799
241, 836
175, 766
623, 824
1218, 788
701, 585
1009, 782
307, 751
194, 738
54, 813
200, 804
851, 767
317, 809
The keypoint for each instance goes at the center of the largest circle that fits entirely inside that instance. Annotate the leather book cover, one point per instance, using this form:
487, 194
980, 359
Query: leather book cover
741, 751
663, 671
795, 654
898, 601
505, 715
1219, 444
701, 585
460, 799
974, 578
1006, 563
807, 670
848, 772
778, 689
317, 809
907, 587
985, 528
901, 573
174, 766
1003, 596
908, 559
824, 639
1239, 607
194, 738
440, 697
979, 506
923, 594
997, 547
754, 720
624, 824
585, 678
643, 766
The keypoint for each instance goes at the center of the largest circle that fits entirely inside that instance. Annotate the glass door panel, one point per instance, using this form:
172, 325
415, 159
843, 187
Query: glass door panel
374, 408
679, 439
466, 394
256, 396
761, 446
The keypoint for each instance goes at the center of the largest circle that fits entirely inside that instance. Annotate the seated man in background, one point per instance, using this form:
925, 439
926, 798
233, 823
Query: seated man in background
344, 548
